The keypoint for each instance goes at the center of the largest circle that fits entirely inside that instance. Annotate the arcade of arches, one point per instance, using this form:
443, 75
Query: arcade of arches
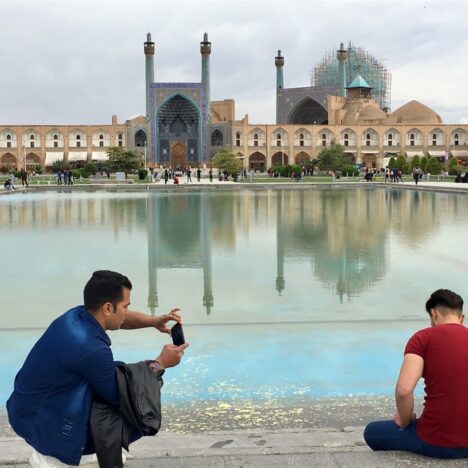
280, 159
8, 161
257, 162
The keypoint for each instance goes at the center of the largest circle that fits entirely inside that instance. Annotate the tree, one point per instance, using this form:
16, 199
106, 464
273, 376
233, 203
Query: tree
391, 163
227, 161
60, 165
415, 161
423, 164
433, 166
400, 163
122, 160
332, 158
453, 167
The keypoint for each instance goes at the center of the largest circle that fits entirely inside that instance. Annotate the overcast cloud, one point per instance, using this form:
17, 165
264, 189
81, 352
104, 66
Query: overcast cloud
79, 62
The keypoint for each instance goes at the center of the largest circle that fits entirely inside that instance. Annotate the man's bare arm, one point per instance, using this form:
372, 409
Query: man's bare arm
135, 320
411, 371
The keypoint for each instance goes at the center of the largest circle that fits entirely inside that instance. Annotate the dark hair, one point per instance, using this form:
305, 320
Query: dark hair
104, 286
444, 298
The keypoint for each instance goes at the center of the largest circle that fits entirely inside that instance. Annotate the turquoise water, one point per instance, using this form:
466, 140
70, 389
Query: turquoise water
285, 293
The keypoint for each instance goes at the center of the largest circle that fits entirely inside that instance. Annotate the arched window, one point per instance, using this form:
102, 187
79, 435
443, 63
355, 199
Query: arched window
101, 136
120, 136
390, 136
32, 137
78, 137
324, 139
411, 136
238, 139
216, 138
255, 139
8, 137
278, 136
368, 137
456, 139
301, 136
55, 137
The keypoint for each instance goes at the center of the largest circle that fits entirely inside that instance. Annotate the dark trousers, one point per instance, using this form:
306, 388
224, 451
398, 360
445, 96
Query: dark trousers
386, 435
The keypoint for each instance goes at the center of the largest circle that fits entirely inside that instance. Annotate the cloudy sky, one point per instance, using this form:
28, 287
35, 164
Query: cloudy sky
79, 61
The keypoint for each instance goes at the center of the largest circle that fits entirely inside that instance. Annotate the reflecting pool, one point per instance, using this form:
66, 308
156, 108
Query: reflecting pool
286, 293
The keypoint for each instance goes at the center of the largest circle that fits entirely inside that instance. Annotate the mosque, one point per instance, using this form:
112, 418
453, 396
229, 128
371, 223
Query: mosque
348, 102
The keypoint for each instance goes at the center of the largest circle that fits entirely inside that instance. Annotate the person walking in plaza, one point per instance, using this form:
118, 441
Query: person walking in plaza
198, 174
417, 174
24, 178
166, 175
59, 177
70, 177
439, 354
210, 174
72, 364
189, 174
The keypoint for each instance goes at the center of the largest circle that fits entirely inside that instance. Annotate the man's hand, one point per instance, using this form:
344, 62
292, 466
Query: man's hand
171, 355
162, 320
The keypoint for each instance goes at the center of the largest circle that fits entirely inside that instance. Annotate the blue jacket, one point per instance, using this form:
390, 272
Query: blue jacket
51, 400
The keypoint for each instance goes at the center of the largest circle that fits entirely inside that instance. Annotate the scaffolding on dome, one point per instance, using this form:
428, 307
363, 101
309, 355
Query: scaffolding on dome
359, 61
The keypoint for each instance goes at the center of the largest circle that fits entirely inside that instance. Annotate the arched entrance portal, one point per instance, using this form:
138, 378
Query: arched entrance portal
178, 121
140, 139
8, 163
178, 156
32, 160
302, 158
308, 112
257, 162
370, 160
351, 157
280, 159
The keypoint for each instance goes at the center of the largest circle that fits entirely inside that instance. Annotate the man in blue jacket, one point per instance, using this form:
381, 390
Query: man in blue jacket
51, 401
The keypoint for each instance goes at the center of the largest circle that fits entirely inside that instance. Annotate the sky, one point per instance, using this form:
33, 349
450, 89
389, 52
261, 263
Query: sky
79, 62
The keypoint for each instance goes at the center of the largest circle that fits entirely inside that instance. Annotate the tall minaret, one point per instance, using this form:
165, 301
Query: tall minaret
205, 49
149, 62
208, 299
279, 62
342, 55
280, 280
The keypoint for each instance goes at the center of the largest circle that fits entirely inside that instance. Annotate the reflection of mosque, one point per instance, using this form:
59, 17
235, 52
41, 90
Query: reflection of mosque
343, 234
346, 243
179, 236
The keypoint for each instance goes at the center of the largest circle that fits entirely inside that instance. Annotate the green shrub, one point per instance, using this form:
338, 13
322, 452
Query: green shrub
142, 174
391, 163
433, 166
348, 170
76, 173
423, 164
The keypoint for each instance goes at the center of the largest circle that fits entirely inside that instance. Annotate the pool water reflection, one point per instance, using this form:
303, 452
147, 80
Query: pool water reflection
285, 293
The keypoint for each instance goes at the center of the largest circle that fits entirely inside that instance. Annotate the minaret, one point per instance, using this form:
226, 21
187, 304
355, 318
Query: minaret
342, 56
280, 280
279, 62
205, 49
208, 299
149, 62
153, 251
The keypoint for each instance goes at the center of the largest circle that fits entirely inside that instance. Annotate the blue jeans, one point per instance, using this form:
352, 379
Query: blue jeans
386, 435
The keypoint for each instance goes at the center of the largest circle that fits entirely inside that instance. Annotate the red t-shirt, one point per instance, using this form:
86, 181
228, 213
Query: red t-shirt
444, 348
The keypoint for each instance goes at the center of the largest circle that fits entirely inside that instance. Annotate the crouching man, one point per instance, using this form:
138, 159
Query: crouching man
439, 354
69, 397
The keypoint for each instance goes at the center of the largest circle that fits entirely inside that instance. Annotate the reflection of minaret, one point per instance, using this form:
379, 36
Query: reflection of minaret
208, 300
152, 210
280, 281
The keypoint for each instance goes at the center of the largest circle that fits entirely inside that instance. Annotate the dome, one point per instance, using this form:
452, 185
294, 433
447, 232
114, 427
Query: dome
414, 112
371, 112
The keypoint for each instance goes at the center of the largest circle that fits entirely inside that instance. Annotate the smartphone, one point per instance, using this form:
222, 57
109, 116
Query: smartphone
177, 334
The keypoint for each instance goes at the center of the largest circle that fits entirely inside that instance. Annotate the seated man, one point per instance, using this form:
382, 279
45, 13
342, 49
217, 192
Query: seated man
9, 185
439, 354
51, 402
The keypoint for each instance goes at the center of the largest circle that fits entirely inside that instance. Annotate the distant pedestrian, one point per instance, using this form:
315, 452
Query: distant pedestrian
198, 174
189, 175
166, 175
59, 177
70, 177
24, 178
65, 177
210, 173
417, 172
